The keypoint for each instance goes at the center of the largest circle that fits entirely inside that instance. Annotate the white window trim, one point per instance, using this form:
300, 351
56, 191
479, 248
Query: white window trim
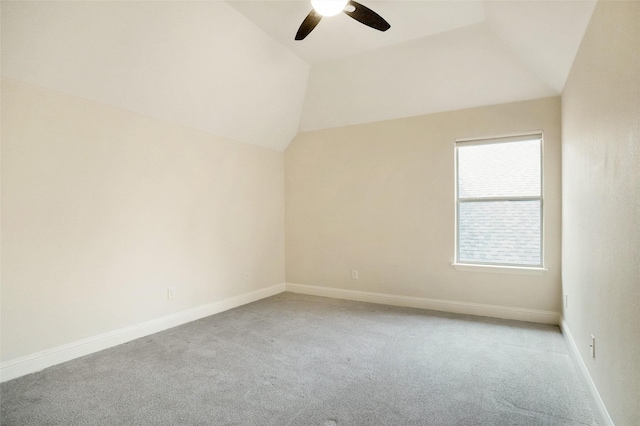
498, 268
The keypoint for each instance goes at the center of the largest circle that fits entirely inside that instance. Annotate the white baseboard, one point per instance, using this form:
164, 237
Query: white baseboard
495, 311
584, 372
41, 360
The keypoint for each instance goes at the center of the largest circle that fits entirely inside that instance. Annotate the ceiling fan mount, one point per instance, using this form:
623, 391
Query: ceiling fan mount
353, 9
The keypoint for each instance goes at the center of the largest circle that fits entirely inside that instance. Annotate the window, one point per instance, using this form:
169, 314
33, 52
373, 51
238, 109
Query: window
499, 201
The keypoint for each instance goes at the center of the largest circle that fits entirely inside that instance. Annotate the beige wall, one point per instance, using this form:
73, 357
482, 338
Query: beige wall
103, 209
601, 205
379, 198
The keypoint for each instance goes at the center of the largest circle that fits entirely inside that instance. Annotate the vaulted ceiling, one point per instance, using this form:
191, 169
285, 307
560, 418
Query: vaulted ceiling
233, 68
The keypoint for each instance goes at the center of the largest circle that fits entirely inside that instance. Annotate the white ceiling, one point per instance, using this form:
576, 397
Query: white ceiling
340, 36
199, 64
233, 68
437, 55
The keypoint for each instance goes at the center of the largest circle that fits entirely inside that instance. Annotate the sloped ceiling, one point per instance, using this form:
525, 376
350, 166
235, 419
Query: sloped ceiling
233, 68
437, 55
199, 64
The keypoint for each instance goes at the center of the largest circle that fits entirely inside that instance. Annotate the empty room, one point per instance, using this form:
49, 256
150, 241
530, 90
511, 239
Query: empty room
320, 212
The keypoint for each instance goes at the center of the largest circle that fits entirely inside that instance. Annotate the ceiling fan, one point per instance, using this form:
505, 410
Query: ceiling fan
332, 7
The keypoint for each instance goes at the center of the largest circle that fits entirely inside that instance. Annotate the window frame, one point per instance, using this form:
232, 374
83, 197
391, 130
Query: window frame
498, 267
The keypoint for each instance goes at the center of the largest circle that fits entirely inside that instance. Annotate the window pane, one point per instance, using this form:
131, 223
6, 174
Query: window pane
509, 169
503, 232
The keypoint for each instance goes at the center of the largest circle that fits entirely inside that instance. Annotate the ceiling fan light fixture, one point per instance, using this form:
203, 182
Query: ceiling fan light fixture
351, 8
329, 7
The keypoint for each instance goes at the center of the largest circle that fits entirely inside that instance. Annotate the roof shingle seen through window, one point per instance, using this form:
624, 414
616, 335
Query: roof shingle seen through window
500, 232
499, 170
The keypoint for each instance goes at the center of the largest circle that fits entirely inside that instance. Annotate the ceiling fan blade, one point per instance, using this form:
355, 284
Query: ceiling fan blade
308, 24
367, 16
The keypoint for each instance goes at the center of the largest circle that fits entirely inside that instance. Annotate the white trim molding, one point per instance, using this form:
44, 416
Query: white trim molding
466, 308
495, 269
584, 374
47, 358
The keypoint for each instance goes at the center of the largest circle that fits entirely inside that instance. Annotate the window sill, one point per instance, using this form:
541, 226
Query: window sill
516, 270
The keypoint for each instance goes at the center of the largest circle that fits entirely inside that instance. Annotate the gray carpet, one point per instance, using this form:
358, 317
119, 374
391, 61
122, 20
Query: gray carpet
302, 360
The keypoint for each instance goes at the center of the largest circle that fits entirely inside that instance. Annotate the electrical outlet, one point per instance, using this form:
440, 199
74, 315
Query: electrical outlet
354, 274
171, 292
593, 346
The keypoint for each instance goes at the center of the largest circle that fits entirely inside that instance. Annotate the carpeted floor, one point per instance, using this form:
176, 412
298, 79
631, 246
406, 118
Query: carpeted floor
303, 360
